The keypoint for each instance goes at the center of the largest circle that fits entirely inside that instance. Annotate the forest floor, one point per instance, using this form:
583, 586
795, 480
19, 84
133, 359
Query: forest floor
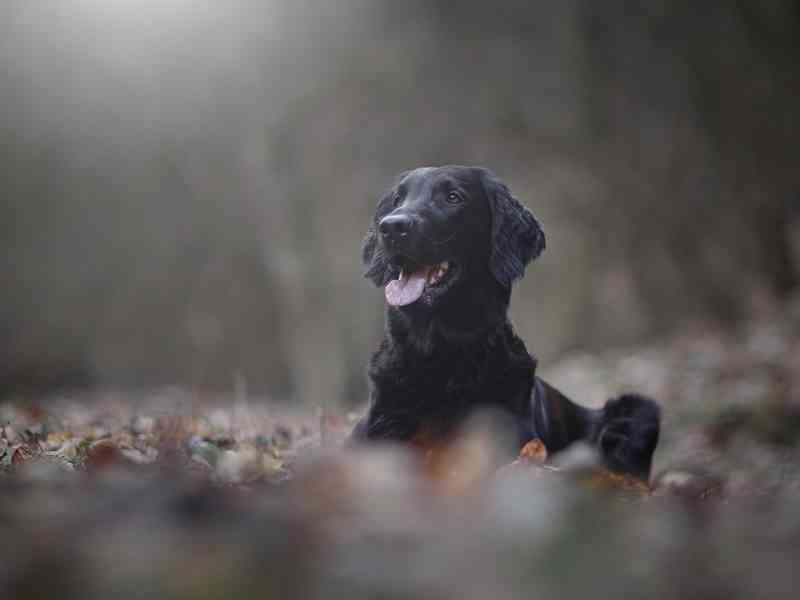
166, 494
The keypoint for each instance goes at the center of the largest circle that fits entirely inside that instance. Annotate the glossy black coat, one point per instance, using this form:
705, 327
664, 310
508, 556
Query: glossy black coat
444, 357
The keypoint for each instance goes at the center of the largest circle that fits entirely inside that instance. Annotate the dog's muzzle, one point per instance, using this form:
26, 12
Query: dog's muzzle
395, 229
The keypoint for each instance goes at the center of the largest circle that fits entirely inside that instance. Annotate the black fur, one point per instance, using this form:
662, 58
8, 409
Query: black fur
454, 350
517, 237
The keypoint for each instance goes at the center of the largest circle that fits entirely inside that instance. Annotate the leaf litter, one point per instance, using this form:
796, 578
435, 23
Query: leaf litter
167, 494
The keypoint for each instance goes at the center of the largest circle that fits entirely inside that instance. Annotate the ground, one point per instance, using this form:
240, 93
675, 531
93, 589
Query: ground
166, 493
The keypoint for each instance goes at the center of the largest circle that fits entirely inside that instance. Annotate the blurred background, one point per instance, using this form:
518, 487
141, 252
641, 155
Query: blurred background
185, 183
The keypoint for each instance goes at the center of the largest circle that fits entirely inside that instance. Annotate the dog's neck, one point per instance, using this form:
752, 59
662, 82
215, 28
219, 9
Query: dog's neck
464, 318
497, 347
470, 334
421, 380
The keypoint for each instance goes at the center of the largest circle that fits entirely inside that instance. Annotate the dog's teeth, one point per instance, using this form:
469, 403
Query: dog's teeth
438, 272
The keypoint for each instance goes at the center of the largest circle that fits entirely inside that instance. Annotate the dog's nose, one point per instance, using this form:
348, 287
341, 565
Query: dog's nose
395, 226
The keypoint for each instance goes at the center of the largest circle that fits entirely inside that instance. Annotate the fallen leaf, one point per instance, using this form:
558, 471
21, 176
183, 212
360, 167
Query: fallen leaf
239, 467
140, 457
143, 425
21, 453
204, 451
101, 454
534, 450
10, 434
604, 479
687, 484
56, 440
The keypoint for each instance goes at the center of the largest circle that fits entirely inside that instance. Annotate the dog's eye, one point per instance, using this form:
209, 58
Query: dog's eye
454, 198
397, 200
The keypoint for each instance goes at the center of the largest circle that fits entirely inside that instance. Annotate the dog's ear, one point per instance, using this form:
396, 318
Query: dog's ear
517, 237
378, 269
376, 263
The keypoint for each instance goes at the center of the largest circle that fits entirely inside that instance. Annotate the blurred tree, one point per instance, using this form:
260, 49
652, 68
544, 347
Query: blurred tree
185, 192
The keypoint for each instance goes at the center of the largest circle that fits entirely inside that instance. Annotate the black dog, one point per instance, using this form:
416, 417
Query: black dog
447, 243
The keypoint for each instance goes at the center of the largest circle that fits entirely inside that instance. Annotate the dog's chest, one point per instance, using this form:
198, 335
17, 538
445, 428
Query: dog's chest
438, 383
436, 396
422, 397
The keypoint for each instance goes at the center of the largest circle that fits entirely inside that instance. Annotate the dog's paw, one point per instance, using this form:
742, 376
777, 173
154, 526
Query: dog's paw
627, 434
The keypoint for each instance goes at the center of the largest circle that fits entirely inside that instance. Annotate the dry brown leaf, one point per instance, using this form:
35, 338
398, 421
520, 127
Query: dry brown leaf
604, 479
21, 453
534, 450
101, 454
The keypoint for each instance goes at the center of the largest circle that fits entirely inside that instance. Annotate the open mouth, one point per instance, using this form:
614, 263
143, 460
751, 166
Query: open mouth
415, 281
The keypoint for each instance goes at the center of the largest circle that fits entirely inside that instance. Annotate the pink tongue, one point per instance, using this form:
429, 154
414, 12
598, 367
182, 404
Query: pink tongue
408, 288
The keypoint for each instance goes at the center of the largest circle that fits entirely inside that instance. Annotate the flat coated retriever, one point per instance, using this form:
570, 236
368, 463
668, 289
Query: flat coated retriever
446, 244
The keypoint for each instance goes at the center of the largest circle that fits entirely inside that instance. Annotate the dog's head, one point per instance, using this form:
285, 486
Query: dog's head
438, 226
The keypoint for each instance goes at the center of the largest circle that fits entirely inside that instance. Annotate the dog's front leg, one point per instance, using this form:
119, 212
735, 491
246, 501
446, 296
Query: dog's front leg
625, 431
